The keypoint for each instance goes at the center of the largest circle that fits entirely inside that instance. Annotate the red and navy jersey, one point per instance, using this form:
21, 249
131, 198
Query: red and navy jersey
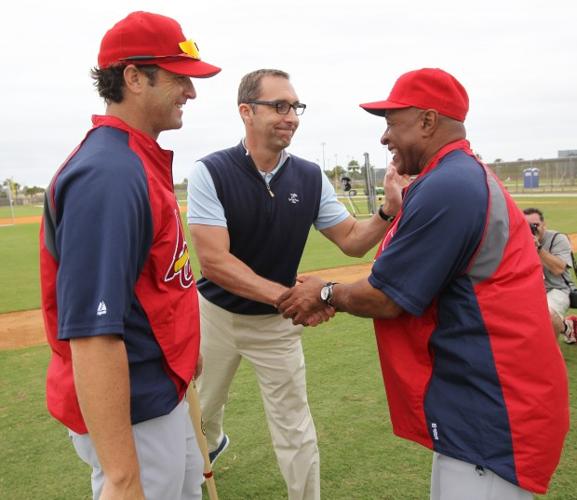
114, 261
472, 368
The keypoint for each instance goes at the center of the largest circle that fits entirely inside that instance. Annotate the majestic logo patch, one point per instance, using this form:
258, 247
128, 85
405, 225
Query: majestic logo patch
102, 310
180, 265
435, 429
293, 198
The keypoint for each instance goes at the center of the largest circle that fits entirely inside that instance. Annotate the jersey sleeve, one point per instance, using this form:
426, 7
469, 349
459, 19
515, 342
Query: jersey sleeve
103, 235
440, 228
204, 207
331, 210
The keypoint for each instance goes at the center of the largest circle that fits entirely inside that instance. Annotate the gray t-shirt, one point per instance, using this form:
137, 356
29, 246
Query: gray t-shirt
559, 247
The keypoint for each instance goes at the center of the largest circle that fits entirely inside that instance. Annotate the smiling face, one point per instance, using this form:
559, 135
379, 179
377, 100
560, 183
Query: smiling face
163, 100
404, 139
264, 125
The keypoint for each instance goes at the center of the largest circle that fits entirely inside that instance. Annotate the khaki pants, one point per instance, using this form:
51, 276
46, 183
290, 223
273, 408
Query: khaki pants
453, 479
273, 346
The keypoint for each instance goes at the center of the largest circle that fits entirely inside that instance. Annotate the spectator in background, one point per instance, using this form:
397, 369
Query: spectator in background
554, 250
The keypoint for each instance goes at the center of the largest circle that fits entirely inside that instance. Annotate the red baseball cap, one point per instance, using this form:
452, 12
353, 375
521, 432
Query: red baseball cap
146, 38
427, 88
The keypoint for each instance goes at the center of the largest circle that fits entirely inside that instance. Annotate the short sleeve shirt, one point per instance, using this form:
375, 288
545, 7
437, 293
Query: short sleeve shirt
440, 227
559, 246
204, 207
103, 236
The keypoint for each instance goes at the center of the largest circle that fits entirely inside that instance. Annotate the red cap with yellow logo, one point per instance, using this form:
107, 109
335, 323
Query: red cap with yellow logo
146, 38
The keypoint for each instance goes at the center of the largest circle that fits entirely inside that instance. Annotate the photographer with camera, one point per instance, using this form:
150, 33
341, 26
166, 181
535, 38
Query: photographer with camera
554, 250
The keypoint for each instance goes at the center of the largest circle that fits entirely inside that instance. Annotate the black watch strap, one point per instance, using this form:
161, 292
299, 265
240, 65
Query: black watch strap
384, 216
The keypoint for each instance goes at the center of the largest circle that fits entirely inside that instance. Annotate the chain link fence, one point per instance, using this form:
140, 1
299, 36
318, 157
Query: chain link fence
556, 175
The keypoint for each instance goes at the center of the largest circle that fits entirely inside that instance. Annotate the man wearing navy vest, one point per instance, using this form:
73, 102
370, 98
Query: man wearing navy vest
250, 209
468, 372
118, 296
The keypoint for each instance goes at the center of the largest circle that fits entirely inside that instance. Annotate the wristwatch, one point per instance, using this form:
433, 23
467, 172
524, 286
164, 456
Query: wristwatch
384, 216
327, 293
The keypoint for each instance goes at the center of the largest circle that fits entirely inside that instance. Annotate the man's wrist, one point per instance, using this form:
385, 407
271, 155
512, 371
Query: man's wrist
327, 293
384, 215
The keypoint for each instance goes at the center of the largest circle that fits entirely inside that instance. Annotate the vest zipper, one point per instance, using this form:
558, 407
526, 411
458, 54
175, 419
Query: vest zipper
269, 190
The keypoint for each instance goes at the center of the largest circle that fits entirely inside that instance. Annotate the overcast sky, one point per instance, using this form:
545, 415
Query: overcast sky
517, 60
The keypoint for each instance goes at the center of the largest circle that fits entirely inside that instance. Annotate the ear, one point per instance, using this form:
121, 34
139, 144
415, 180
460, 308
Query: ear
134, 80
429, 121
246, 112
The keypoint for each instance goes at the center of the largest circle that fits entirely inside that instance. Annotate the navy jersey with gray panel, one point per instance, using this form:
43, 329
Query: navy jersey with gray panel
472, 369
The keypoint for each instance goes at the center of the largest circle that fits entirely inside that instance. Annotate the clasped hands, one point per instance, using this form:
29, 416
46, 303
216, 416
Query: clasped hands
302, 303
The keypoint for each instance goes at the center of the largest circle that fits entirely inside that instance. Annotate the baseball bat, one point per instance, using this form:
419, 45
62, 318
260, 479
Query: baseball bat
196, 417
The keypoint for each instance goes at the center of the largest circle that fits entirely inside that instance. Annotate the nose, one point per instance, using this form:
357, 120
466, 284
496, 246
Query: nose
189, 90
385, 137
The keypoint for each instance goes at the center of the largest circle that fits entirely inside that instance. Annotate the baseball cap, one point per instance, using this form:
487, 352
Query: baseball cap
146, 38
427, 88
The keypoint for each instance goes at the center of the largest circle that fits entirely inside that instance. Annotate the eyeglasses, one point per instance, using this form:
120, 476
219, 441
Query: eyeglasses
282, 107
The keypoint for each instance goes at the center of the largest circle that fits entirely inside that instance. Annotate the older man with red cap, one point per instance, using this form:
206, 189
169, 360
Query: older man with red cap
468, 373
118, 296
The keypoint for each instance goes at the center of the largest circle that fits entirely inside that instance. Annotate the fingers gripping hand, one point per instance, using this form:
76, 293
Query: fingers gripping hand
302, 301
314, 319
319, 317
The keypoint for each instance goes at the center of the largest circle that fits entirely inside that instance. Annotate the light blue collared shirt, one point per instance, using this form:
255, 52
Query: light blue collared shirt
204, 207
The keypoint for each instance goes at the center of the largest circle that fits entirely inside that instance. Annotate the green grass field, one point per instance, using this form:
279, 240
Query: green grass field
20, 211
360, 457
19, 273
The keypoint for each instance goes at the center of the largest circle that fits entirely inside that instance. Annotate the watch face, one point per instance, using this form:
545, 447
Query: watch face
324, 293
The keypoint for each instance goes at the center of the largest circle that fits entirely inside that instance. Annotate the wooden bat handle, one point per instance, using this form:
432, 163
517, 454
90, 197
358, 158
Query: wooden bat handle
196, 417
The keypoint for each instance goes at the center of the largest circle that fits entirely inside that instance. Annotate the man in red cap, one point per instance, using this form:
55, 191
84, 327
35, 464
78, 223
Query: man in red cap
467, 372
118, 296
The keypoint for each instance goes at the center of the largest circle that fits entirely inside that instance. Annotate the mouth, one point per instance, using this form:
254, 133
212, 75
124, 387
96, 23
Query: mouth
393, 151
286, 131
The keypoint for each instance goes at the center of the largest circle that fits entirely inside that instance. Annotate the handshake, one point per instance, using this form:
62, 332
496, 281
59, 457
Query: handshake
303, 304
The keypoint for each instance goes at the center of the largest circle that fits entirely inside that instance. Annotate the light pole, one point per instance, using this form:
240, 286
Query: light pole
336, 176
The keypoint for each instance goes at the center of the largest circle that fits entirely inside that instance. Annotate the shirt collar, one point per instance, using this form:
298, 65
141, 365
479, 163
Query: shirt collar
284, 156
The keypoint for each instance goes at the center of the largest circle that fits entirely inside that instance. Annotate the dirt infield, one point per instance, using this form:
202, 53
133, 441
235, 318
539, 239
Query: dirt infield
21, 329
31, 219
25, 328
